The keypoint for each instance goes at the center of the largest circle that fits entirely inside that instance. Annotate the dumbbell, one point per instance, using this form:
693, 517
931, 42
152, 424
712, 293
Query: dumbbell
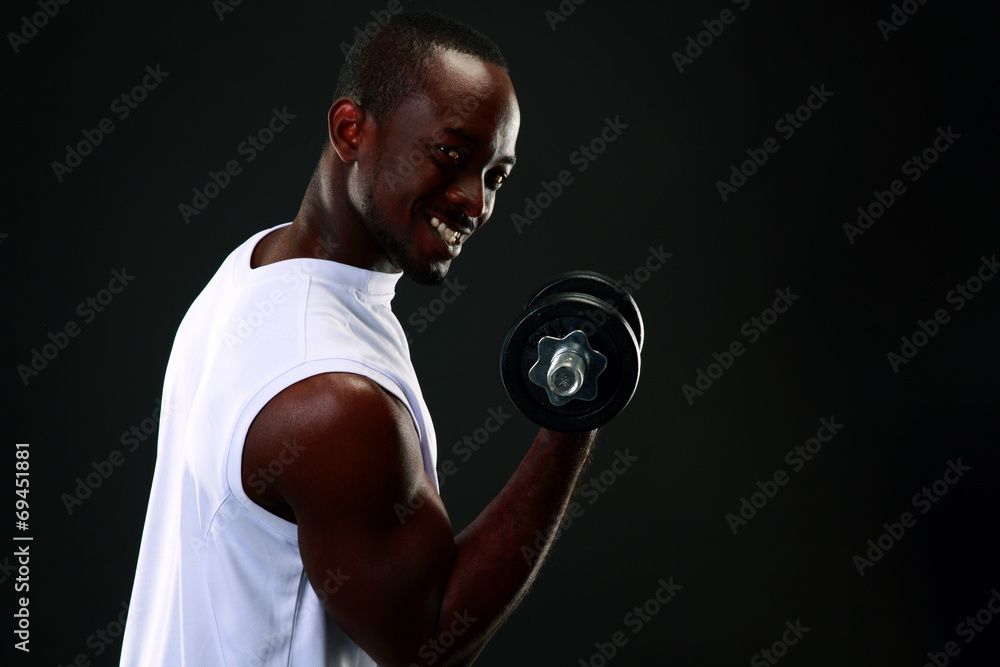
571, 359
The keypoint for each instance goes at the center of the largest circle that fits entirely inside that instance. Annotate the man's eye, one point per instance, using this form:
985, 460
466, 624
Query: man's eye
452, 154
495, 180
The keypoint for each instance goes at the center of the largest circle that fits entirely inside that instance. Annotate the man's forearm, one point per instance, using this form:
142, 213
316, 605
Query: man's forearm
498, 555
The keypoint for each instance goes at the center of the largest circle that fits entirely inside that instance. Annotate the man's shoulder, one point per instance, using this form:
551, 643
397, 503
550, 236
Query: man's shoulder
332, 405
334, 433
328, 392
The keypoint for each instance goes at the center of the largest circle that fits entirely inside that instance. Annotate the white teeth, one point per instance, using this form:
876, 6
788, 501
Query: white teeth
447, 235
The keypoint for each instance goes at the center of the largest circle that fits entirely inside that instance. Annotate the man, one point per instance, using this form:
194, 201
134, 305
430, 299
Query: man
295, 429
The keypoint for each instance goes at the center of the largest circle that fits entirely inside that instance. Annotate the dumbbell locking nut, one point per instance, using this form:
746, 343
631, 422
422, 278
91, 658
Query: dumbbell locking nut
566, 373
567, 368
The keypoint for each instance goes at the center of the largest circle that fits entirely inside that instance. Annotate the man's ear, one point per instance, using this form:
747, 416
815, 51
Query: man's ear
348, 125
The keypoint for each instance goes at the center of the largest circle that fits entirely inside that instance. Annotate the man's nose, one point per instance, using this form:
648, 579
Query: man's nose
470, 194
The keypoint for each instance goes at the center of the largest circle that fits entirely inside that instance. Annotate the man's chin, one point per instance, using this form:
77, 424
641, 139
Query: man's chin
429, 275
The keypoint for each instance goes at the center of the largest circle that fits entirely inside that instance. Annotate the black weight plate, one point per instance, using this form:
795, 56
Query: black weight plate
601, 286
607, 332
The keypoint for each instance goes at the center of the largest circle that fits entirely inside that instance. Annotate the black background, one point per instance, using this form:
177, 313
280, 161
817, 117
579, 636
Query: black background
654, 186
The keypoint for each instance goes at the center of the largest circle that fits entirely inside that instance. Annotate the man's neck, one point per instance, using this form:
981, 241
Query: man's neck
324, 228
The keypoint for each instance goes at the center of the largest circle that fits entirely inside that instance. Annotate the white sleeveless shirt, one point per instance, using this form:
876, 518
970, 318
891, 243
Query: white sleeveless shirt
219, 579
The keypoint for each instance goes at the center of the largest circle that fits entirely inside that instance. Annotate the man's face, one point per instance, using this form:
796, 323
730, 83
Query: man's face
438, 164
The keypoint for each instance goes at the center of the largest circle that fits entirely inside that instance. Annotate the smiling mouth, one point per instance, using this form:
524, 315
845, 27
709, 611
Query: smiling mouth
447, 234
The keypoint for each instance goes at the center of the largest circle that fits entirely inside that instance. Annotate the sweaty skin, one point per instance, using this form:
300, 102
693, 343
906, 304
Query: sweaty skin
443, 154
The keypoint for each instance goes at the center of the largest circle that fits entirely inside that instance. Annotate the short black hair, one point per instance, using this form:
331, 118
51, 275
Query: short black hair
386, 68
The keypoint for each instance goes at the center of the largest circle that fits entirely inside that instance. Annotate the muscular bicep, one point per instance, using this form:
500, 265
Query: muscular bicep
373, 534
